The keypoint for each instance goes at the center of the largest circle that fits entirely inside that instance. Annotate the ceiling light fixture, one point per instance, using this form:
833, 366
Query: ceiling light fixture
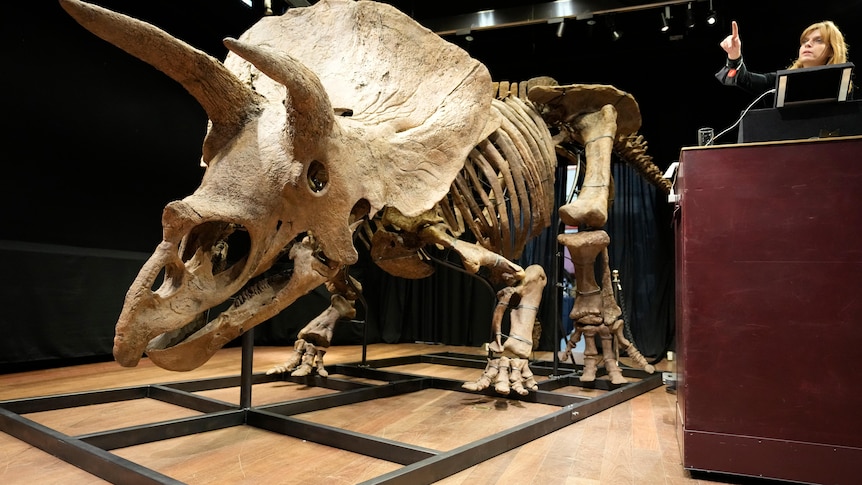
711, 18
561, 27
665, 26
467, 34
615, 33
689, 16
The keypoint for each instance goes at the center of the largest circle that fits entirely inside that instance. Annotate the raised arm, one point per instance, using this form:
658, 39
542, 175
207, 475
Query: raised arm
732, 44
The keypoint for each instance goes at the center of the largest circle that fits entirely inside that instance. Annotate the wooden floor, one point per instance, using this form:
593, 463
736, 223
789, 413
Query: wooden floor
632, 443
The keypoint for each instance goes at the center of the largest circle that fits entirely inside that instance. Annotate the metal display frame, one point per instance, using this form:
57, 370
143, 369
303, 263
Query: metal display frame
92, 452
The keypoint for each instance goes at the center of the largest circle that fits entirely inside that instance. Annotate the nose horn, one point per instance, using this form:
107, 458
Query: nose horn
177, 217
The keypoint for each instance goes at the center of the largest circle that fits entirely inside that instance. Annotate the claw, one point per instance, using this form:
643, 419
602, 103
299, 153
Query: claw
515, 380
292, 362
507, 375
501, 385
526, 380
321, 369
307, 366
488, 376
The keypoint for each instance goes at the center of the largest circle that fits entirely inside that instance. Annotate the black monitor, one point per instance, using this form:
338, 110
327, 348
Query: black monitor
808, 85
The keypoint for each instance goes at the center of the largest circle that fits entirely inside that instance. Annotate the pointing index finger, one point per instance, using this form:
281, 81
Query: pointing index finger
734, 29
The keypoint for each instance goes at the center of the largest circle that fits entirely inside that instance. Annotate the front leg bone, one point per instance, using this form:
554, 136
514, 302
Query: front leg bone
314, 338
584, 247
507, 370
475, 256
597, 131
523, 317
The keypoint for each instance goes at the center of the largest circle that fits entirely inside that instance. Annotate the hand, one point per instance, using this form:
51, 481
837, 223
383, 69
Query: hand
732, 44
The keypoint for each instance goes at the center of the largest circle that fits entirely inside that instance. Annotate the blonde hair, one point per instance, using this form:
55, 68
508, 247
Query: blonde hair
833, 38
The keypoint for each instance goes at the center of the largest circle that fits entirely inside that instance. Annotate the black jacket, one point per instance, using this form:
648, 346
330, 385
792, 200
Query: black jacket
734, 73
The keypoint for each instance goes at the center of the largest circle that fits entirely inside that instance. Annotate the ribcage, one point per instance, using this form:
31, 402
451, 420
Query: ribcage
504, 194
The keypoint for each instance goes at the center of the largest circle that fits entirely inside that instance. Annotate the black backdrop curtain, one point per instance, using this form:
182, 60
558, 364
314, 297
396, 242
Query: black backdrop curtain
639, 225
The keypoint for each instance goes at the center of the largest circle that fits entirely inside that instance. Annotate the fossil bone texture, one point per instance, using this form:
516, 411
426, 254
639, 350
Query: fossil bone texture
348, 119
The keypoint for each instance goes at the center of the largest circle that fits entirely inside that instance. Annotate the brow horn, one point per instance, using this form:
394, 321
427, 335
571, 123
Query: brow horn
227, 101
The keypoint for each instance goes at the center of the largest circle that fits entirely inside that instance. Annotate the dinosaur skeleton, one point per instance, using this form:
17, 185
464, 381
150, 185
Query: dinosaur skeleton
349, 119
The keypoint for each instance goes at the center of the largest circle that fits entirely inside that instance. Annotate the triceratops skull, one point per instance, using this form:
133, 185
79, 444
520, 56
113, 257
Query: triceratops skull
318, 118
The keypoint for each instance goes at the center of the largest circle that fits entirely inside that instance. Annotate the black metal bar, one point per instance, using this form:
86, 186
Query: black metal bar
348, 397
538, 397
261, 378
330, 382
85, 456
377, 374
463, 360
454, 461
557, 382
148, 433
365, 340
246, 371
339, 438
207, 384
188, 400
64, 401
390, 362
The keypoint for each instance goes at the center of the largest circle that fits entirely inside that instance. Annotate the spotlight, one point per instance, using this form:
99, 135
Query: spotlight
711, 18
689, 17
664, 18
616, 34
466, 33
561, 27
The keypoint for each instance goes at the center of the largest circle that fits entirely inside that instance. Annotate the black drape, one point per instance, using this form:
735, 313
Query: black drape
641, 249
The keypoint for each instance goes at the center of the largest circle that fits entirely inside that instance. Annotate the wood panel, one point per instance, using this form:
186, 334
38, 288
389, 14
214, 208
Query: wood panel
769, 271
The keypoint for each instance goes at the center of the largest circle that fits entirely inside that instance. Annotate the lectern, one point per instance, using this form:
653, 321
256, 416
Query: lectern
769, 309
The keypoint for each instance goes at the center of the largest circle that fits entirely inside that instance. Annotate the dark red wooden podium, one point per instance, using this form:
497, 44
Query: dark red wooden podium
769, 309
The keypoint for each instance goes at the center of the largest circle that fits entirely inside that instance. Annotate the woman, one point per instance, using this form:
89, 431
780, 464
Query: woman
820, 44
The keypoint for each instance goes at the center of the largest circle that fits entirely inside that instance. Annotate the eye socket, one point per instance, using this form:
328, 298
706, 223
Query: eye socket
318, 176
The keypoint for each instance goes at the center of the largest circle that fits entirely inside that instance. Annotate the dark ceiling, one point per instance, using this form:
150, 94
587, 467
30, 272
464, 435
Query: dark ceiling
97, 142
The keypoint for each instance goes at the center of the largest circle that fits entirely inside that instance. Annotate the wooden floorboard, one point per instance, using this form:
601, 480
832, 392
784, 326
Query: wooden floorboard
631, 443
